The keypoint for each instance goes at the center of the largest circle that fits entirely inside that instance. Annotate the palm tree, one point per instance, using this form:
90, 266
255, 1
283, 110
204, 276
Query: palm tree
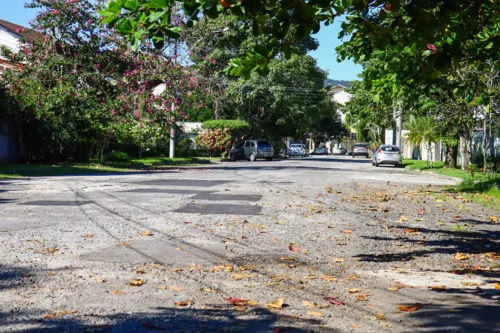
423, 130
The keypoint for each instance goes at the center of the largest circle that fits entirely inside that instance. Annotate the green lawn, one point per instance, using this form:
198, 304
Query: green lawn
483, 188
36, 170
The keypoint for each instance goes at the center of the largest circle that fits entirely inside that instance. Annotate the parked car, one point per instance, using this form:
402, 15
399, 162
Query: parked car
252, 150
387, 154
296, 149
360, 149
321, 150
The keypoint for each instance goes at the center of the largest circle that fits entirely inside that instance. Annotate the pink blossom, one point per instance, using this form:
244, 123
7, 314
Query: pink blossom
214, 61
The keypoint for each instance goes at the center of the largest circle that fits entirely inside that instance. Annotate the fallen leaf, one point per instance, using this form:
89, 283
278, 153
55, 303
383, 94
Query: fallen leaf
333, 300
207, 290
380, 316
409, 308
315, 314
470, 284
287, 259
195, 267
277, 304
460, 256
125, 244
346, 231
59, 313
421, 211
239, 276
176, 288
222, 268
456, 216
354, 290
136, 282
329, 278
88, 235
338, 259
146, 233
184, 303
402, 219
437, 287
118, 292
497, 285
393, 289
163, 287
362, 297
257, 226
52, 250
493, 219
100, 280
293, 248
236, 301
356, 326
410, 231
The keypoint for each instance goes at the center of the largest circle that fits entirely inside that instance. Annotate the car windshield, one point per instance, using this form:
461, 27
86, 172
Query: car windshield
265, 144
389, 149
296, 146
360, 145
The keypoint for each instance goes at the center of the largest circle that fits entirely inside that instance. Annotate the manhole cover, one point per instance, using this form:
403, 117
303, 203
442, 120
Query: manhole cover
168, 191
185, 182
226, 197
220, 209
56, 203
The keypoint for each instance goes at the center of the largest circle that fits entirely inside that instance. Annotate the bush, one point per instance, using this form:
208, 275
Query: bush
116, 156
234, 126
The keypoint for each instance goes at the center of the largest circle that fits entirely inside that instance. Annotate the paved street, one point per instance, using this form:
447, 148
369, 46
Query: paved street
348, 248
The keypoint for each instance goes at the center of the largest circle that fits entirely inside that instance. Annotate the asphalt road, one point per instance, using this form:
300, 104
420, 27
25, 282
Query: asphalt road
347, 246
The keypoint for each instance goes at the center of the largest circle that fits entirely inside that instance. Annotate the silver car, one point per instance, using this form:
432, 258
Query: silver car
387, 154
296, 149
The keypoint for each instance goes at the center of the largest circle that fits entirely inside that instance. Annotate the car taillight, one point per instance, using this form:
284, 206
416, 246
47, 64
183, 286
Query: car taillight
379, 151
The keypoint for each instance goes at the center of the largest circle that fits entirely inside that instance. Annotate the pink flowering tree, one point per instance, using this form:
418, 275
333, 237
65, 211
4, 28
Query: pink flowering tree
78, 78
214, 140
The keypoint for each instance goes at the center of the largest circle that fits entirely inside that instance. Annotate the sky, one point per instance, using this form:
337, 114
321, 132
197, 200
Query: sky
14, 11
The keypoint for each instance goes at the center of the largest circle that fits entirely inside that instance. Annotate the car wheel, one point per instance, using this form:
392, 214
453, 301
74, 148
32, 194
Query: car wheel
253, 157
377, 165
373, 163
269, 158
353, 156
232, 158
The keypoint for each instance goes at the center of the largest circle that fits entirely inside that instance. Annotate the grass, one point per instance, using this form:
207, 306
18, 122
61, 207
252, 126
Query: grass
483, 188
66, 169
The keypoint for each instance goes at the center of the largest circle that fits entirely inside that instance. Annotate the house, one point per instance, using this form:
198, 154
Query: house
340, 97
12, 36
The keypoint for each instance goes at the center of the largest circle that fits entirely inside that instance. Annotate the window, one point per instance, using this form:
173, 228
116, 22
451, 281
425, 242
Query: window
247, 144
252, 144
361, 145
240, 145
264, 144
390, 149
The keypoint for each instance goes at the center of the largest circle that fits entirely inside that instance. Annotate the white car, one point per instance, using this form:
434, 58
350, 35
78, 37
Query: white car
296, 149
320, 151
387, 154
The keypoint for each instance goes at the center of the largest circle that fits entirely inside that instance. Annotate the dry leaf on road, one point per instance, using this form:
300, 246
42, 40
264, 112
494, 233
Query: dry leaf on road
118, 292
88, 235
293, 247
460, 256
380, 316
354, 290
497, 285
329, 278
338, 259
240, 276
146, 233
221, 268
315, 314
136, 282
402, 219
409, 308
315, 306
493, 219
100, 280
184, 303
346, 231
437, 287
277, 304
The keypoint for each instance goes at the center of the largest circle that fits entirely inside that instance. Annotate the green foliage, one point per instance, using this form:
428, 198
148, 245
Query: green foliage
234, 126
116, 156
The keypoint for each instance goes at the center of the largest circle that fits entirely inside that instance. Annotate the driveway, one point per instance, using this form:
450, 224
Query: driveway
322, 244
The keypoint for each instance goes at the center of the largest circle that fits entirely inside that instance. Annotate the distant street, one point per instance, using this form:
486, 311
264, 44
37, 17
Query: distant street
321, 244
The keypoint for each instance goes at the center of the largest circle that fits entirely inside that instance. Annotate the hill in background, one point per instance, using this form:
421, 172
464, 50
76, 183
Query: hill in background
331, 82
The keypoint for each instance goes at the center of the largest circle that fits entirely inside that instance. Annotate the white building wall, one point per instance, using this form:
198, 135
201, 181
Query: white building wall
9, 39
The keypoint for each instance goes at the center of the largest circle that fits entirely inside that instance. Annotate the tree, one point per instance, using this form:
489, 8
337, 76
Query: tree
79, 77
423, 130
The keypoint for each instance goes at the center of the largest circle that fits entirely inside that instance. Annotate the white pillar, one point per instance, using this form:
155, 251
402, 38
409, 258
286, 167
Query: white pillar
172, 136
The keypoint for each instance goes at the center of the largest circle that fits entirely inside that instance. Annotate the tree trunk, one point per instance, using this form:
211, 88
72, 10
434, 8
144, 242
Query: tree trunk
485, 143
451, 157
465, 142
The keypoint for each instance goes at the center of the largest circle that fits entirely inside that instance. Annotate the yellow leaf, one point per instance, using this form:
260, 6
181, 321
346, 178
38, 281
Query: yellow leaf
402, 219
408, 308
362, 297
470, 284
100, 280
311, 277
314, 305
176, 288
258, 226
493, 219
88, 235
329, 278
125, 244
277, 304
315, 314
380, 316
146, 233
356, 326
354, 290
118, 292
207, 290
338, 259
221, 268
184, 303
497, 285
163, 287
437, 287
239, 276
195, 267
393, 289
136, 282
460, 256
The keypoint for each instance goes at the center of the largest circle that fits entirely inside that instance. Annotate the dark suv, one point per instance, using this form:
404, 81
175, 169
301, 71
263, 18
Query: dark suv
252, 150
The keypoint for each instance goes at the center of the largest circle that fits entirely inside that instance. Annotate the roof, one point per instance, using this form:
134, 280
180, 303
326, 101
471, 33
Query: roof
30, 34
